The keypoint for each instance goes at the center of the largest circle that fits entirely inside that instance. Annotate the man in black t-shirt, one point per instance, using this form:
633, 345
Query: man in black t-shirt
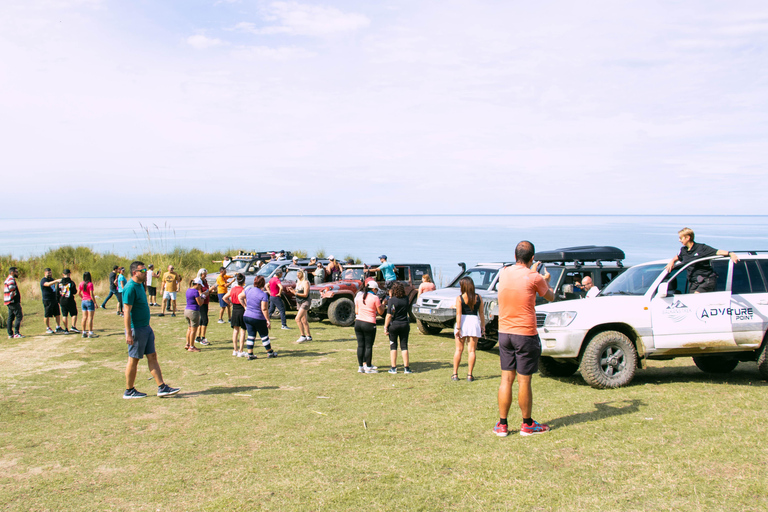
112, 286
67, 302
701, 277
50, 302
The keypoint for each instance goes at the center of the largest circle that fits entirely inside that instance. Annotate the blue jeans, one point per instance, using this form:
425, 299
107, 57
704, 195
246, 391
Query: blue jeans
111, 293
277, 302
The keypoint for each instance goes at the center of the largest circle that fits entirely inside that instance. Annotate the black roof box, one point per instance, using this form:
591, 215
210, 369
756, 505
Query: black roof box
583, 253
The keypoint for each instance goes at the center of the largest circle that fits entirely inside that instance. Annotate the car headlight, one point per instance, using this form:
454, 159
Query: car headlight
559, 319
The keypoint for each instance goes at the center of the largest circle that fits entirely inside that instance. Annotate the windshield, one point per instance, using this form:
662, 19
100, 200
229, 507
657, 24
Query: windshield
634, 281
354, 273
482, 277
291, 275
237, 266
267, 269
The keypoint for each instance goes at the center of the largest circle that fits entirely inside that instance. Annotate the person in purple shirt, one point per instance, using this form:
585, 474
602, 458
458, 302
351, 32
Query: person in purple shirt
192, 312
256, 316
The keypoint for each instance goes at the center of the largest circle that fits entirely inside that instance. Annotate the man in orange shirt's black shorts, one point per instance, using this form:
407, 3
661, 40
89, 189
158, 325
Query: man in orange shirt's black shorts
519, 343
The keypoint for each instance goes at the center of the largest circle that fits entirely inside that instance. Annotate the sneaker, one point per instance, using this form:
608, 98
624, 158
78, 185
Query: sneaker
500, 430
407, 370
173, 314
49, 331
85, 334
360, 369
161, 314
285, 328
272, 355
235, 353
59, 330
102, 307
204, 342
74, 330
166, 390
17, 336
132, 393
301, 339
221, 321
309, 338
392, 370
251, 357
64, 331
91, 335
242, 354
370, 369
536, 428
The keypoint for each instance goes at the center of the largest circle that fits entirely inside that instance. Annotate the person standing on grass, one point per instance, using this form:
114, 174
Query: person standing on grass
701, 277
470, 326
112, 286
302, 304
171, 281
192, 313
67, 302
222, 283
426, 285
397, 325
49, 288
256, 317
275, 299
202, 275
88, 304
121, 282
238, 324
519, 343
139, 335
152, 278
367, 306
12, 299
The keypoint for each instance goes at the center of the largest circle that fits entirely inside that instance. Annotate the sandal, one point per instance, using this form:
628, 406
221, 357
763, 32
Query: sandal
193, 349
470, 378
455, 377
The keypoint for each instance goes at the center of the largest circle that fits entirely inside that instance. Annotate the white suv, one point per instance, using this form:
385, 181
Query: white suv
646, 313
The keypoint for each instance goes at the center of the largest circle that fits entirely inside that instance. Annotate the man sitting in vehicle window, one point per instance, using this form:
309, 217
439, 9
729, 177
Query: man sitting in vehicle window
701, 277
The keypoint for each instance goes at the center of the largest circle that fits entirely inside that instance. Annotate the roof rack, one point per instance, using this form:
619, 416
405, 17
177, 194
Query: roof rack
583, 254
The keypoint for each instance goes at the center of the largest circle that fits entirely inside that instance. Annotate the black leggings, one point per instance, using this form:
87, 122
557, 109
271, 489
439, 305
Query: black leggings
398, 330
14, 318
119, 296
366, 335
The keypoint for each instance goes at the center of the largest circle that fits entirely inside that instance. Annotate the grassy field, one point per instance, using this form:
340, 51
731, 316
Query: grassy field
305, 431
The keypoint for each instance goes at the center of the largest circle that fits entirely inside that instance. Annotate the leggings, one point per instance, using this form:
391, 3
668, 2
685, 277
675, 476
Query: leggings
366, 335
14, 318
119, 296
399, 330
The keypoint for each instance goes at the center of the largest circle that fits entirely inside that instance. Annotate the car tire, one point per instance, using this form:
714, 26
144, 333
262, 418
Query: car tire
609, 361
717, 364
762, 361
427, 329
485, 343
551, 367
341, 312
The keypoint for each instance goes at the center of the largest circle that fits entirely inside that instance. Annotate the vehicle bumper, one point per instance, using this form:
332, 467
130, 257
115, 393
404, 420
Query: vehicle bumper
444, 317
561, 343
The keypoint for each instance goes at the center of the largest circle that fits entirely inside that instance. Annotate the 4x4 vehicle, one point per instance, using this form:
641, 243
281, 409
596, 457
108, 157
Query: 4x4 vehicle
435, 310
335, 300
248, 264
647, 313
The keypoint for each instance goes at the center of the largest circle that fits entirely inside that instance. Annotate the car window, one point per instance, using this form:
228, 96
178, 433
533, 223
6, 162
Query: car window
721, 269
740, 280
267, 269
236, 266
634, 281
555, 272
606, 276
354, 273
418, 271
402, 274
756, 277
678, 282
482, 277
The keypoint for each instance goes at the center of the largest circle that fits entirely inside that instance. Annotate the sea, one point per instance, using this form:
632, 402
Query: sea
441, 240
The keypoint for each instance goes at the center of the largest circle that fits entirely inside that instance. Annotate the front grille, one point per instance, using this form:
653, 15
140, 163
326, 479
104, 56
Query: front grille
430, 303
314, 294
540, 318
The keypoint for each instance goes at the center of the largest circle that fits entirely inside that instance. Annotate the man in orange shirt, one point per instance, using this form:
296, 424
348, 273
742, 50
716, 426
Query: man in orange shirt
519, 343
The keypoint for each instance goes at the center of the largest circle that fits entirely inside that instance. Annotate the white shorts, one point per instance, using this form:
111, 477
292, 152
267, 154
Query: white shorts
169, 295
470, 326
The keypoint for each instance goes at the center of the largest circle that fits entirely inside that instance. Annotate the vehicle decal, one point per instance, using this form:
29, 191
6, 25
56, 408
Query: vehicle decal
677, 311
710, 312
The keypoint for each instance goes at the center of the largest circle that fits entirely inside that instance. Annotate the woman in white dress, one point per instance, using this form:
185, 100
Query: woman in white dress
470, 325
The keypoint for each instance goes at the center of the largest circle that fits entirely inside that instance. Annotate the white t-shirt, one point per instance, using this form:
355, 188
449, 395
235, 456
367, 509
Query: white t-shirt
150, 275
592, 292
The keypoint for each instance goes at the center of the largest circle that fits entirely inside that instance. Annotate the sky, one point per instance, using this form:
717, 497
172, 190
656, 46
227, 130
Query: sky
251, 107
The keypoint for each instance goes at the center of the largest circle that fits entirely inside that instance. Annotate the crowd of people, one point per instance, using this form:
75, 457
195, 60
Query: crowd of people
249, 309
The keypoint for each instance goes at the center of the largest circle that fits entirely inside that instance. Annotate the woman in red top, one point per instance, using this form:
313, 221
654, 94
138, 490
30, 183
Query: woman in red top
89, 305
236, 321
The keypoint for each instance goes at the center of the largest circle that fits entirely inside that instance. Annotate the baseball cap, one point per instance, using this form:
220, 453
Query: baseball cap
197, 280
383, 257
372, 284
331, 257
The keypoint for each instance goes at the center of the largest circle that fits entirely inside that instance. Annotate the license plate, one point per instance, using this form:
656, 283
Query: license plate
426, 311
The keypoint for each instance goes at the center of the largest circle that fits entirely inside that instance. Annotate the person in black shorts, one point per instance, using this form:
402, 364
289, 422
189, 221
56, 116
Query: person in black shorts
48, 288
701, 277
397, 326
67, 302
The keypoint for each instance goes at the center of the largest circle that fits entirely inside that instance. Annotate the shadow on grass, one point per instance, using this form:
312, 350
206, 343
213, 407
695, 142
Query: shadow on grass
745, 374
428, 366
602, 410
219, 390
300, 353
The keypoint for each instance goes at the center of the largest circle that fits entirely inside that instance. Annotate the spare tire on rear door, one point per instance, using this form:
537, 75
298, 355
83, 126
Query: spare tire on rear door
342, 312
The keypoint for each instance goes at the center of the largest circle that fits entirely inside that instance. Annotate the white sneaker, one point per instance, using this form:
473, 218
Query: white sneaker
235, 353
370, 369
285, 328
242, 354
360, 369
301, 339
221, 321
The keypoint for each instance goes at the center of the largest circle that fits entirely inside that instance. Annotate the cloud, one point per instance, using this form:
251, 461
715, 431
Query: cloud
297, 19
202, 42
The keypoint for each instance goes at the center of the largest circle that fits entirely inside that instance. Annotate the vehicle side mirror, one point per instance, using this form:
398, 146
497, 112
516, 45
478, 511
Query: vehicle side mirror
663, 290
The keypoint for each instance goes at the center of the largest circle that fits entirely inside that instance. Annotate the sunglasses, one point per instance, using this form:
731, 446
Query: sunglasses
142, 270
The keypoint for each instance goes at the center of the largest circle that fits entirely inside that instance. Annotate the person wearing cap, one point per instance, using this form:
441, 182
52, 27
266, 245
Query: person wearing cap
67, 303
367, 306
295, 260
121, 282
152, 285
334, 269
202, 275
281, 255
48, 288
192, 313
171, 282
388, 271
12, 299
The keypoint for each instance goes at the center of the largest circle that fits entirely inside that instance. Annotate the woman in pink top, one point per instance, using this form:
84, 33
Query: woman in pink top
89, 305
367, 306
426, 284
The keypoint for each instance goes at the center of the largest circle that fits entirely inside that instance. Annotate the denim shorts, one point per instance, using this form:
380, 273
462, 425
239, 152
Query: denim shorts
222, 302
143, 342
88, 305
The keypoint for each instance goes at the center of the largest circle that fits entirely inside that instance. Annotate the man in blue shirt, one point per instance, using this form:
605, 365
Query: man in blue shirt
388, 270
139, 335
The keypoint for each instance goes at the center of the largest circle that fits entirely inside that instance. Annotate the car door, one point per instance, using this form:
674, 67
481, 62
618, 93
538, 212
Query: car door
685, 320
749, 304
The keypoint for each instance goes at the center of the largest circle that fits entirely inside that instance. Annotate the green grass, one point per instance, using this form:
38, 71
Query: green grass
305, 431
